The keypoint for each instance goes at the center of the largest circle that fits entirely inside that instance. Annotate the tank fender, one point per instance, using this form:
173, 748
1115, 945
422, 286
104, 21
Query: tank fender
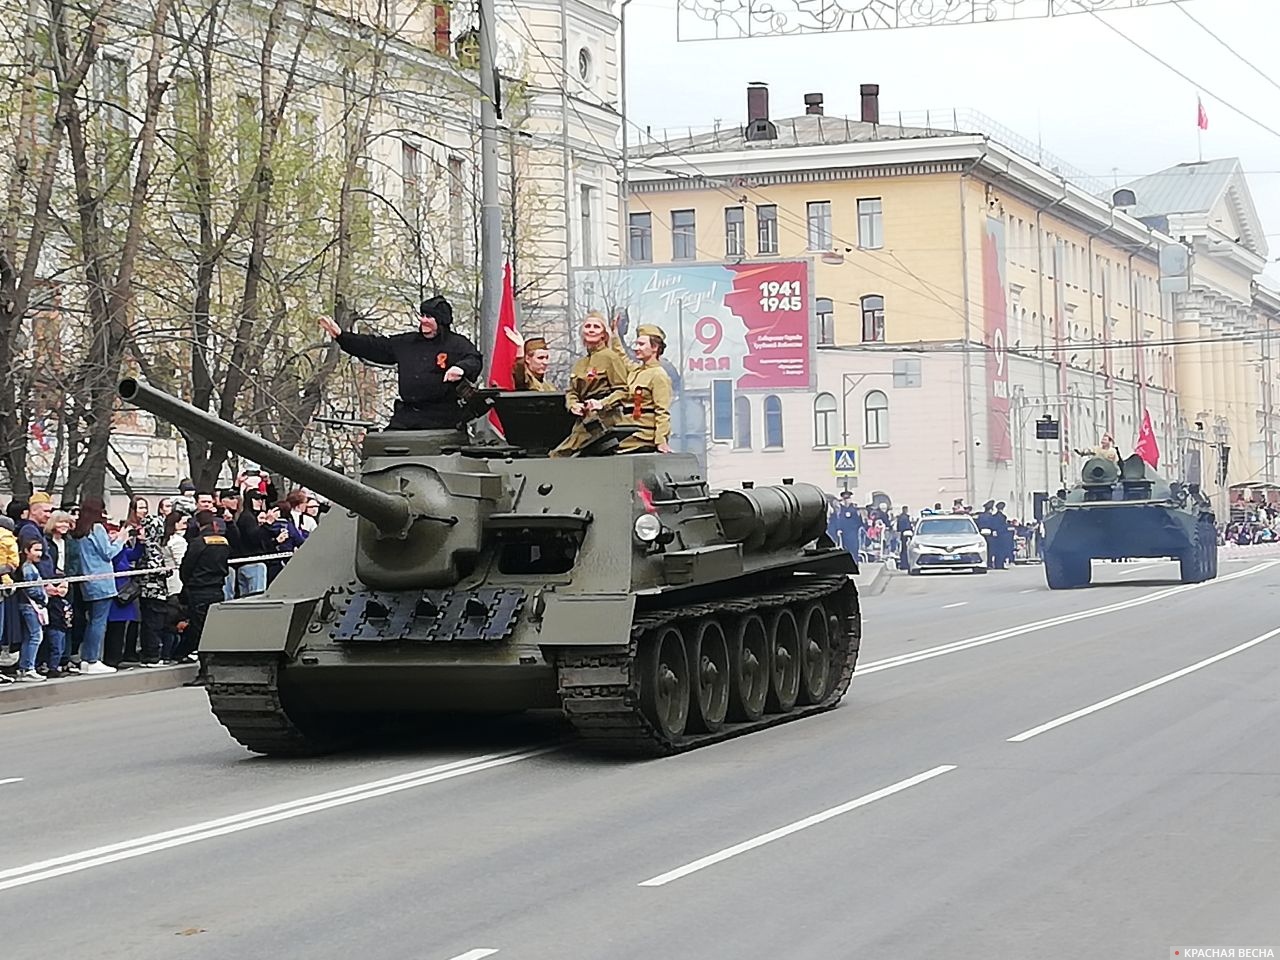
587, 620
258, 625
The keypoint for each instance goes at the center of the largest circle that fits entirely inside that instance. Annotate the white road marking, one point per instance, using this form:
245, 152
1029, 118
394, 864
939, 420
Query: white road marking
1110, 701
154, 843
1032, 590
949, 606
479, 953
791, 828
10, 780
888, 663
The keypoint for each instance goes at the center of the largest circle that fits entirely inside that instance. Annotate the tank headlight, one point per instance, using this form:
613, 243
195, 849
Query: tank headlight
648, 528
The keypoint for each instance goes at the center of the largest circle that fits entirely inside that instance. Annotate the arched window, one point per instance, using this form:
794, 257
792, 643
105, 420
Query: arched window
873, 318
741, 422
876, 408
772, 421
824, 420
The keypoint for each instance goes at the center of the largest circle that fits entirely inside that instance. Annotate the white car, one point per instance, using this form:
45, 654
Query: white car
946, 543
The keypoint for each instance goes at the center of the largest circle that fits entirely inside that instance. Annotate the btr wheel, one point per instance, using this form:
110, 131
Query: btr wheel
749, 669
784, 662
664, 683
709, 670
815, 654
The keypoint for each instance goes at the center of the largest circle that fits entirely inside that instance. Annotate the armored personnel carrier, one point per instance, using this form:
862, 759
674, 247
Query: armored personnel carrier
1127, 511
656, 614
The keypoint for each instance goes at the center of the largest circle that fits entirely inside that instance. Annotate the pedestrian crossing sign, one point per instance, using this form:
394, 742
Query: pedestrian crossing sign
844, 461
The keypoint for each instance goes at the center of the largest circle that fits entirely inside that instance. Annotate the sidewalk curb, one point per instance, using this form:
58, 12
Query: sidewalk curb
18, 697
872, 579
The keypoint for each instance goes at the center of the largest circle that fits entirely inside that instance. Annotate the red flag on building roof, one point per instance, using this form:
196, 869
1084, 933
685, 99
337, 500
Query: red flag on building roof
502, 361
1147, 447
1202, 118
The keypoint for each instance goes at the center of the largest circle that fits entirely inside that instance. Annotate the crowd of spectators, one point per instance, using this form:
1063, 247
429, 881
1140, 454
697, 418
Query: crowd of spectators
120, 616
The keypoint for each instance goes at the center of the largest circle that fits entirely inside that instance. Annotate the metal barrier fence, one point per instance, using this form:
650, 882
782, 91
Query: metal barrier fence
146, 572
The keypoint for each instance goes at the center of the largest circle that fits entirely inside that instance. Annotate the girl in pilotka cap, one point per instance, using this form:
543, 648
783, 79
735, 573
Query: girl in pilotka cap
649, 387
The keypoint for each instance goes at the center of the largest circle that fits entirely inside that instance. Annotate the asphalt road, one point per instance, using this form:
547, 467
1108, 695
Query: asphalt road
1014, 773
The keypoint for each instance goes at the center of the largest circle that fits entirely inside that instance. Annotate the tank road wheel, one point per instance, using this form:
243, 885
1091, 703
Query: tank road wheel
709, 670
815, 653
749, 669
664, 683
784, 662
1066, 571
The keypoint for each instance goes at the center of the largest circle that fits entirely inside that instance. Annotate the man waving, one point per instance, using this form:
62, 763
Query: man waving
429, 363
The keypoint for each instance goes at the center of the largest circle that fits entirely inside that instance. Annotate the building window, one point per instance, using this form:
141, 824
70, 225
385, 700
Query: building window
870, 224
876, 408
873, 318
411, 181
585, 202
742, 422
820, 225
683, 234
906, 373
826, 320
735, 232
721, 409
824, 420
767, 228
641, 246
772, 421
457, 210
113, 91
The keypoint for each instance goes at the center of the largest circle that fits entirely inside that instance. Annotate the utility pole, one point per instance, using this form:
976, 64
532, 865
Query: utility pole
490, 208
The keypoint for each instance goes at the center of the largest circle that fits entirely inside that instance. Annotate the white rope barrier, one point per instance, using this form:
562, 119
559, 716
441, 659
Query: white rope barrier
145, 572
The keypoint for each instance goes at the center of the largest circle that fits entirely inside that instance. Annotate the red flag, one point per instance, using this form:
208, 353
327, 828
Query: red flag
502, 361
1202, 118
1147, 447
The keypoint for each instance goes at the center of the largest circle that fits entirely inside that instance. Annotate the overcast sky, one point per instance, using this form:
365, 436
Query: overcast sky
1088, 95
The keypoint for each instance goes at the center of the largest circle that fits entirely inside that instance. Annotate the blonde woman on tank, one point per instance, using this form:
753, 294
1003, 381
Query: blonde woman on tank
597, 385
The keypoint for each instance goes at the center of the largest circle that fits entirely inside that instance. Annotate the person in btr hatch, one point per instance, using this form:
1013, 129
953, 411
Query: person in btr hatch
1106, 449
429, 363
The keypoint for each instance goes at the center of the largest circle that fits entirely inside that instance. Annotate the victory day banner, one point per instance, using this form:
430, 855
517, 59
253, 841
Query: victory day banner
751, 323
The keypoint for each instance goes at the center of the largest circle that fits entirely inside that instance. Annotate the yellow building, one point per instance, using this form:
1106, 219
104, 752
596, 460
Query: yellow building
962, 292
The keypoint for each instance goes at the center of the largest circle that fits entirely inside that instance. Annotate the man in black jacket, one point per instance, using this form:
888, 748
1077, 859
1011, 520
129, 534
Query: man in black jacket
203, 572
429, 363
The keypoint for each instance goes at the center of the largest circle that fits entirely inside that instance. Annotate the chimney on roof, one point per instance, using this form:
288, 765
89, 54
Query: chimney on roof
759, 127
870, 102
1123, 198
813, 104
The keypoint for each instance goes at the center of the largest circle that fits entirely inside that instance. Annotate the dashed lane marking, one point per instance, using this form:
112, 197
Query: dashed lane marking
10, 780
479, 953
951, 606
1160, 681
791, 828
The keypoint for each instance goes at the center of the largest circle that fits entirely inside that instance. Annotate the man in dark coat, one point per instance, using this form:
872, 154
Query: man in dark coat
1004, 537
846, 524
430, 363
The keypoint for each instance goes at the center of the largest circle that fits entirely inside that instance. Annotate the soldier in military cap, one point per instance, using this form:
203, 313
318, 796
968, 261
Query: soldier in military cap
649, 387
532, 360
597, 385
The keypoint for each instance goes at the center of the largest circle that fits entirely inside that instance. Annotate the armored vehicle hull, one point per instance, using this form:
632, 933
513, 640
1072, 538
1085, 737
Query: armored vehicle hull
656, 614
1127, 512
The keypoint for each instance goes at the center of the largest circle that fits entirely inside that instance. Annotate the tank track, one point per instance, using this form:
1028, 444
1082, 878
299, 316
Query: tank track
608, 715
244, 694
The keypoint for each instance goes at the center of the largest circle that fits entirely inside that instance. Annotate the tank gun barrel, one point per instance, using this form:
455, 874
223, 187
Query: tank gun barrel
391, 514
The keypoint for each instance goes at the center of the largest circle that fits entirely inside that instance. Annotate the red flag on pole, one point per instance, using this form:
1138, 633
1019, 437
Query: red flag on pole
502, 361
1147, 447
1202, 118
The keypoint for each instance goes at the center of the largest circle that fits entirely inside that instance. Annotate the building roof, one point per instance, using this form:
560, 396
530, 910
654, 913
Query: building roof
1185, 188
809, 130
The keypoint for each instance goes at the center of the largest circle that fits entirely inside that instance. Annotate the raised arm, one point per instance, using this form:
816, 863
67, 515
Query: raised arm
364, 346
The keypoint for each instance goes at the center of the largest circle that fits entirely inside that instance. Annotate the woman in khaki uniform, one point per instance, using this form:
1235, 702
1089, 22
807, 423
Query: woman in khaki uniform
532, 360
597, 385
650, 390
